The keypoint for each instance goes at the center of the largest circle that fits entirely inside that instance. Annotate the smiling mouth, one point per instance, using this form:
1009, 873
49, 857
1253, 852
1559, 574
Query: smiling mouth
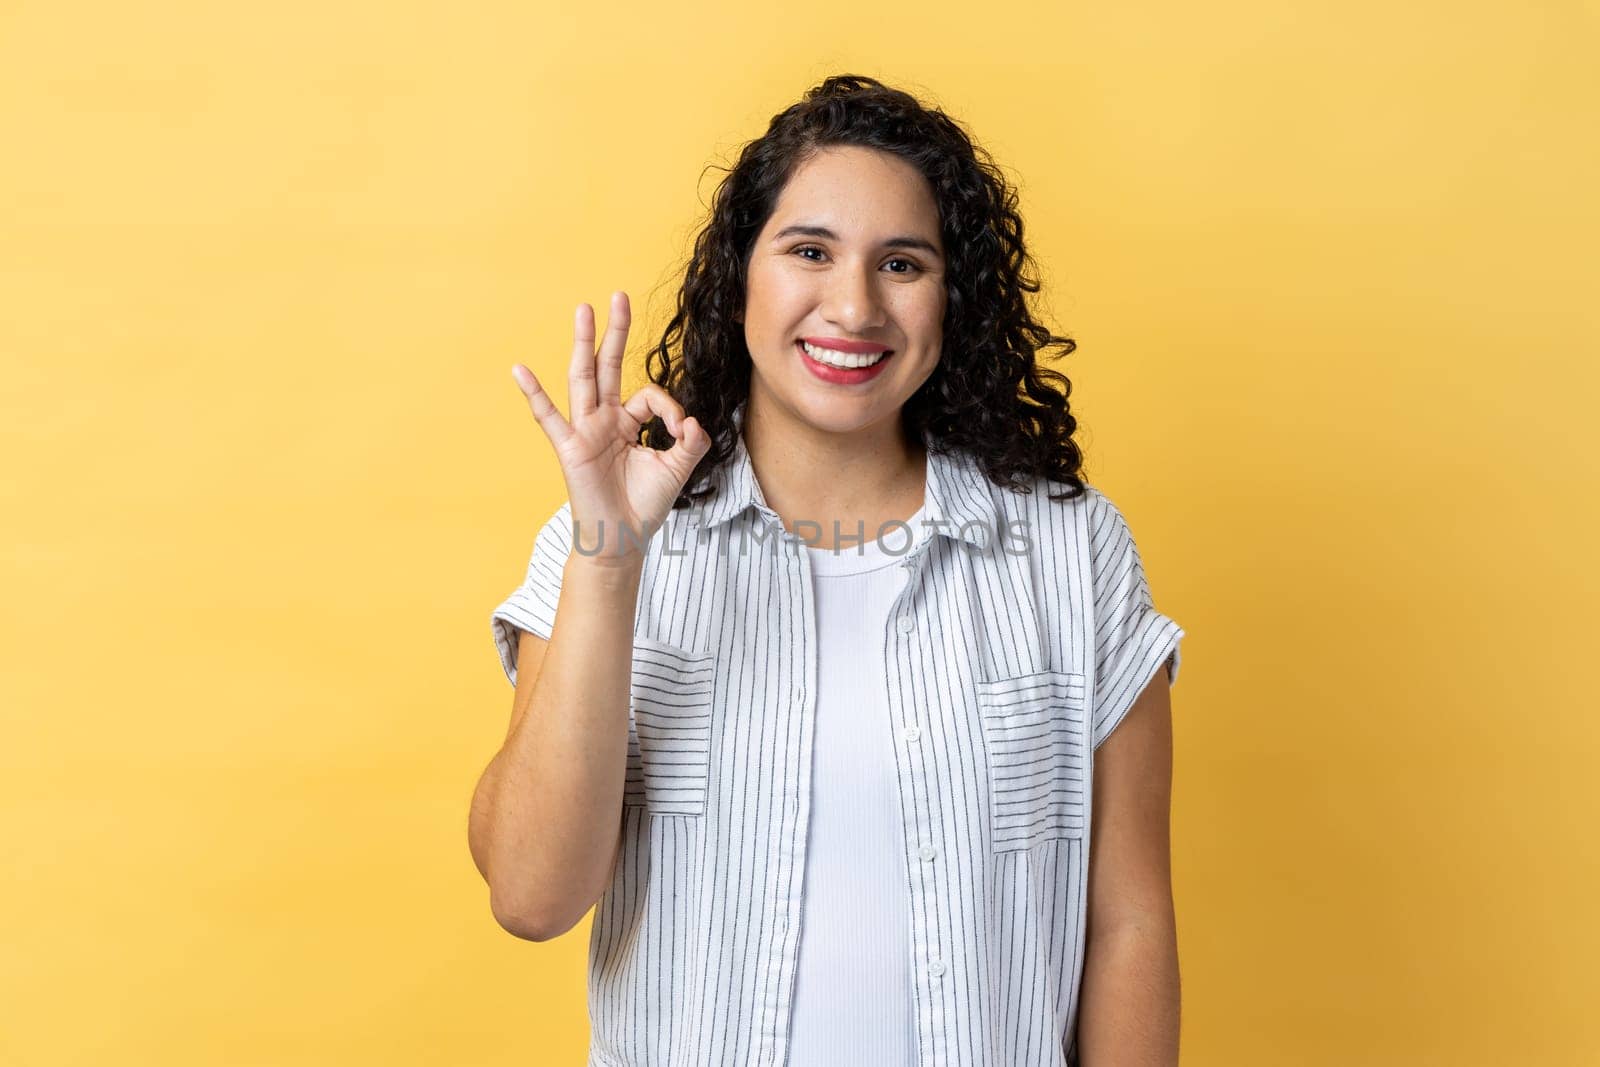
842, 360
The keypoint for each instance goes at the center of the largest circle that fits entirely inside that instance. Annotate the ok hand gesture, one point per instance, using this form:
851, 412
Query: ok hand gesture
614, 481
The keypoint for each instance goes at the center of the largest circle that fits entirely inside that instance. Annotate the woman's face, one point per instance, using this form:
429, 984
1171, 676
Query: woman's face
852, 256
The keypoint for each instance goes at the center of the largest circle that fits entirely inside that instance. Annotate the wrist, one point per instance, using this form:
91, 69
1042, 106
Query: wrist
622, 571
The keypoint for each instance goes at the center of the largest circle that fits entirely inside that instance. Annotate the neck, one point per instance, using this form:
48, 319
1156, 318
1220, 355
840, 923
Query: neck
869, 476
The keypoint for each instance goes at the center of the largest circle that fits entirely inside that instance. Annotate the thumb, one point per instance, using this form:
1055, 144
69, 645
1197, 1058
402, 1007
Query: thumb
692, 445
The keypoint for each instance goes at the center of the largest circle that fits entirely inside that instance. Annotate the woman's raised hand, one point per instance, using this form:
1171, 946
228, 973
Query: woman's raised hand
620, 490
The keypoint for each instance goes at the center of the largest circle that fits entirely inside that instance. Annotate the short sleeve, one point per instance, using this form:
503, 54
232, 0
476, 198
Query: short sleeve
532, 605
1132, 640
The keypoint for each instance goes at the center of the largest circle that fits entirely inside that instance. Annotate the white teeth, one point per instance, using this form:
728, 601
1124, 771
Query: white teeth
841, 359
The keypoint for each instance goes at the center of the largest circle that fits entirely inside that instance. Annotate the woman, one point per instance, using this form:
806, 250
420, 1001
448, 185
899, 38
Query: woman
811, 686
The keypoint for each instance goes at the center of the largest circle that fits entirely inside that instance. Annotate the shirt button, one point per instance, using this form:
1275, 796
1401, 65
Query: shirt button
906, 624
936, 968
912, 733
927, 852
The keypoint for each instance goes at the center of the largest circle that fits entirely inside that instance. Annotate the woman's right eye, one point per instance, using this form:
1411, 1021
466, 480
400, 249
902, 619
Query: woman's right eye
808, 248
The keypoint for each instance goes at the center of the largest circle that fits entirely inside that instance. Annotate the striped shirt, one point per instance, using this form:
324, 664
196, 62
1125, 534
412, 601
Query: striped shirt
1010, 655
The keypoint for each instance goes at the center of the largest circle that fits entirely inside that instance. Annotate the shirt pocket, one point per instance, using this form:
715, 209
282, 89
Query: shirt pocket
669, 741
1034, 727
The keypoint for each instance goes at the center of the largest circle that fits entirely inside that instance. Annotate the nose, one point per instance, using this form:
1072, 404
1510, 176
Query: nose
852, 301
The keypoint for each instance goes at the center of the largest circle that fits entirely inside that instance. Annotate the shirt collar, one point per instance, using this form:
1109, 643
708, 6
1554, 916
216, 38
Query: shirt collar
958, 493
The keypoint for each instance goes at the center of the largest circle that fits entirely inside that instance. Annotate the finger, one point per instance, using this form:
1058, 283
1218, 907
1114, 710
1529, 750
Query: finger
544, 409
693, 444
609, 383
580, 372
651, 400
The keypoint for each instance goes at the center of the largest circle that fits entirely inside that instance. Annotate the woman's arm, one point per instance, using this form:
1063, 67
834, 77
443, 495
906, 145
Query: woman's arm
546, 817
1129, 1008
547, 814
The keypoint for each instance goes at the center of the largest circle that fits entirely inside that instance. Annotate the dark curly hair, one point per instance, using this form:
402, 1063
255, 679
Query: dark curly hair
987, 395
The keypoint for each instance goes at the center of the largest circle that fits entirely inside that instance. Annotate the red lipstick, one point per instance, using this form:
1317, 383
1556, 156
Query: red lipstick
842, 375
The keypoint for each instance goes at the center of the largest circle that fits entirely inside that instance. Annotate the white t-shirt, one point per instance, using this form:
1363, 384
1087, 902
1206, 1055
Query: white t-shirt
853, 985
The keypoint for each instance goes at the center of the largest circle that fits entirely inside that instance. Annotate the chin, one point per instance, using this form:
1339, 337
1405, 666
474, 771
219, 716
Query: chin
830, 414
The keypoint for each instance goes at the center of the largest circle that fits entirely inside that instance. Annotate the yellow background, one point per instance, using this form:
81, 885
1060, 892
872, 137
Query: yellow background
264, 270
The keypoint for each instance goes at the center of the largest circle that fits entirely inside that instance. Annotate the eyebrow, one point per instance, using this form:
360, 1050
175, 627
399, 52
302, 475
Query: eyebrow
903, 241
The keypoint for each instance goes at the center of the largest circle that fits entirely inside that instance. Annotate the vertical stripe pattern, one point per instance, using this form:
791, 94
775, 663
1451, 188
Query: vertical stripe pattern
1009, 657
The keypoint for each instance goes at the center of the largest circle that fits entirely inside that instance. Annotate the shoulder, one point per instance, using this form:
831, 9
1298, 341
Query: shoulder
1058, 521
1059, 505
1090, 504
